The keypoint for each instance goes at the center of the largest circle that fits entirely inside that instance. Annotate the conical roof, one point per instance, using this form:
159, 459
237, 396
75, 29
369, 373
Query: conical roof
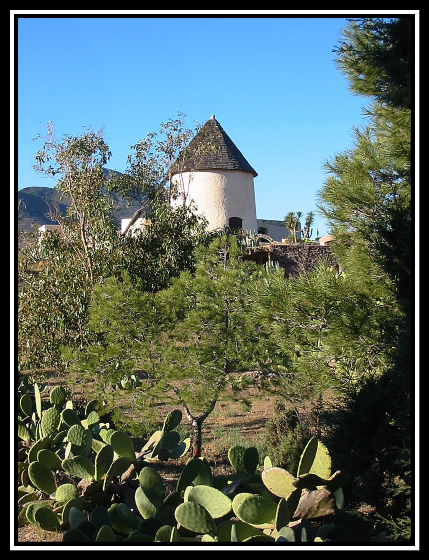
212, 148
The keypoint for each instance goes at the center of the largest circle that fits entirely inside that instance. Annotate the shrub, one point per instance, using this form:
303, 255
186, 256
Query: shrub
285, 436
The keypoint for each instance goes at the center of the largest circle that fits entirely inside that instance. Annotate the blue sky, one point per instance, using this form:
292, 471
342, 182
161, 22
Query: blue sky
270, 80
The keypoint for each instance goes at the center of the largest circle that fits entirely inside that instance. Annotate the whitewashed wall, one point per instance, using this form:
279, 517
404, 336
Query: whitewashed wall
220, 195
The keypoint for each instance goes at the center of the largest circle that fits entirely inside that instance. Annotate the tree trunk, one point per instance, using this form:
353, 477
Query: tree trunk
196, 425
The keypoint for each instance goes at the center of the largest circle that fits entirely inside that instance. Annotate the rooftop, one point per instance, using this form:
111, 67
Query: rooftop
212, 148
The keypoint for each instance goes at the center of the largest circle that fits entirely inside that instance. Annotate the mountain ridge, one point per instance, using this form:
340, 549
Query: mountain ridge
35, 205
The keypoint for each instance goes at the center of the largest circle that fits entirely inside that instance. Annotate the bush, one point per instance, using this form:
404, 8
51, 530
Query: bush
286, 435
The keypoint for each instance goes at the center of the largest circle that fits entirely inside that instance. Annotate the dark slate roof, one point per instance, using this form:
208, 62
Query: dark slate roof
224, 154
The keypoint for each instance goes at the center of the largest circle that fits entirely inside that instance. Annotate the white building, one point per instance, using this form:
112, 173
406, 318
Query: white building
43, 230
48, 227
276, 229
219, 181
138, 225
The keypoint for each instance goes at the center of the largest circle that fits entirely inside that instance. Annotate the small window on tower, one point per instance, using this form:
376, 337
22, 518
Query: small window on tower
235, 223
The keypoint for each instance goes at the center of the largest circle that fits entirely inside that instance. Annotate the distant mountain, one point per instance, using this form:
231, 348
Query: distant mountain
37, 204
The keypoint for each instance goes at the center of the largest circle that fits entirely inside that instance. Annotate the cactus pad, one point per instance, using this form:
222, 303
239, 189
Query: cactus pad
172, 420
146, 508
241, 530
47, 519
215, 502
26, 404
65, 493
103, 460
278, 481
79, 466
58, 395
69, 417
105, 534
50, 421
122, 445
195, 517
99, 517
315, 459
123, 519
190, 471
257, 511
118, 467
76, 435
42, 478
151, 484
49, 458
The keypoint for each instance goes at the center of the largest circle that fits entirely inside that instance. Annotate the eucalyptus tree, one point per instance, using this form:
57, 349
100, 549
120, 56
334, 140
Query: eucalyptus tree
57, 276
77, 164
156, 158
57, 273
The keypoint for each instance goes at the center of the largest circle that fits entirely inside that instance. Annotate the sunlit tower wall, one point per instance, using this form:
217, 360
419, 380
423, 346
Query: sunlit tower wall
217, 179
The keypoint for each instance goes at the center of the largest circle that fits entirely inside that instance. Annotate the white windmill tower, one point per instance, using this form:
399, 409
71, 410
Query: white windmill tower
219, 181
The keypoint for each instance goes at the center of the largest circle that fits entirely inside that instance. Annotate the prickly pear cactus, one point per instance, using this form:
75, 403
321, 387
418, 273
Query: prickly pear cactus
149, 495
123, 519
116, 469
103, 461
172, 420
26, 404
69, 417
256, 510
50, 459
278, 481
65, 493
105, 534
214, 501
47, 519
42, 443
122, 444
79, 466
195, 517
315, 459
58, 396
50, 421
188, 474
41, 477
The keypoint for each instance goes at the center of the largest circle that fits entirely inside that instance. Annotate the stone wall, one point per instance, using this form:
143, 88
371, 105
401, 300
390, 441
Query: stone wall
294, 258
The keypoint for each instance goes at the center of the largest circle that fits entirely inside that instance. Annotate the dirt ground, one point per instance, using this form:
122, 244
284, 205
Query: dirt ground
230, 423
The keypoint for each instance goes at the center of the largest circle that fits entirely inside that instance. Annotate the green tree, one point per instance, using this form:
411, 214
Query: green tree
349, 333
376, 56
189, 338
367, 200
52, 303
56, 276
212, 336
77, 163
164, 247
367, 196
155, 160
307, 232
